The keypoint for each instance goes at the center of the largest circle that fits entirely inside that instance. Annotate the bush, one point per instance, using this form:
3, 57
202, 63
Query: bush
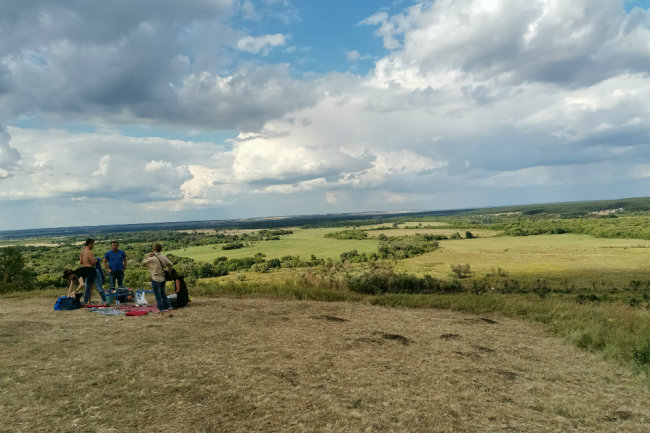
349, 255
461, 270
479, 287
541, 288
14, 273
348, 234
232, 246
641, 354
380, 281
402, 247
582, 298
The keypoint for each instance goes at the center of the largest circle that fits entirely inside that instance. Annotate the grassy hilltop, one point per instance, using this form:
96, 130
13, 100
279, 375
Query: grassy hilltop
232, 365
577, 271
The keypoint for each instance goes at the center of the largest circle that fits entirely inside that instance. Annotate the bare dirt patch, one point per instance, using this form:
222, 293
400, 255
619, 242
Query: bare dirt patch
228, 365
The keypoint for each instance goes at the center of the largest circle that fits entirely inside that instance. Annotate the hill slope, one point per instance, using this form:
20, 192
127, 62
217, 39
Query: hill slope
259, 365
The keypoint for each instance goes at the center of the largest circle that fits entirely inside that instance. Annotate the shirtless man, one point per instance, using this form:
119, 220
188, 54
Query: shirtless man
87, 260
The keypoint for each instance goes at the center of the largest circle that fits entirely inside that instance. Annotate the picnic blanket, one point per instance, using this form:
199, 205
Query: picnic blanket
128, 308
137, 313
105, 311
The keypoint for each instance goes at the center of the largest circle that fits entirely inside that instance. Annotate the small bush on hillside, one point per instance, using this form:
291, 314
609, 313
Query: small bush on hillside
641, 354
479, 287
498, 272
541, 288
348, 234
379, 281
14, 273
582, 298
402, 247
461, 270
232, 246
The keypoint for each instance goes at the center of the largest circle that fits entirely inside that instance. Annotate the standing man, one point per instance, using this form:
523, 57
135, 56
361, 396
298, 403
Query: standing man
157, 263
87, 260
115, 262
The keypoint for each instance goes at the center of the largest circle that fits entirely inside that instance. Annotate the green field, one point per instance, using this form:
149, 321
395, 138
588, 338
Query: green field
302, 243
566, 260
579, 259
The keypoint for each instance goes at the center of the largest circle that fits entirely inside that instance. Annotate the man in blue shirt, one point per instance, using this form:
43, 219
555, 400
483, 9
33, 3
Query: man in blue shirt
115, 262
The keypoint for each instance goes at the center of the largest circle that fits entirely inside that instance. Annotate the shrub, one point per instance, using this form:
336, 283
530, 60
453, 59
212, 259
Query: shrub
498, 272
641, 354
379, 281
461, 270
348, 234
479, 287
582, 298
349, 255
14, 273
402, 247
232, 246
541, 288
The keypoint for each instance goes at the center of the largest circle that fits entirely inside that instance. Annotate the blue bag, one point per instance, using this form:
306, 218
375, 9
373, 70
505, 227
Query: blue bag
64, 303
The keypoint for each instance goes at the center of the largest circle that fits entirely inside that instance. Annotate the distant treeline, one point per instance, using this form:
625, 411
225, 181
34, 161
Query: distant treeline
600, 226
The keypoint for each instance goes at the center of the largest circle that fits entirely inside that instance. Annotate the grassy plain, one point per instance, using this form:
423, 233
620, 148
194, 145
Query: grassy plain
565, 261
235, 365
572, 260
302, 243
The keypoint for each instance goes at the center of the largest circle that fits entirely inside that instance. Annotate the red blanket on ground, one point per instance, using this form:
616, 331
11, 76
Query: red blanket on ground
136, 313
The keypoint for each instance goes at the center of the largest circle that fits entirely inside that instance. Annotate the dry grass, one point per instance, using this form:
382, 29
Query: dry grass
243, 365
580, 259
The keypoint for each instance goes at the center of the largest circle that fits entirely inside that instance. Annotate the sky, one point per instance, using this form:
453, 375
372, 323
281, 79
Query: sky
158, 110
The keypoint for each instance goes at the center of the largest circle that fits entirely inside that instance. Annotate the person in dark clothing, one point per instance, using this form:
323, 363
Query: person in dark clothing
180, 297
79, 274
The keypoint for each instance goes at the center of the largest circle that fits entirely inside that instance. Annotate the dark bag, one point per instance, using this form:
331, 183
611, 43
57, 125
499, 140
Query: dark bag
122, 294
168, 274
64, 303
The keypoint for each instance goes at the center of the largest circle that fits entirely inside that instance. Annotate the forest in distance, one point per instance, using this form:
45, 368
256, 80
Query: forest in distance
564, 209
580, 268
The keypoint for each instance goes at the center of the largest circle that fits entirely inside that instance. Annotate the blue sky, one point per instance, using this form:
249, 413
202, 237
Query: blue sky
158, 110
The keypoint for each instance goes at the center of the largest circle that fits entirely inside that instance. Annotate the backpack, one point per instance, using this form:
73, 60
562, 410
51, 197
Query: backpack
64, 303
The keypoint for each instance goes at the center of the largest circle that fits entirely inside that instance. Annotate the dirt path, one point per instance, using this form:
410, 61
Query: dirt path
226, 365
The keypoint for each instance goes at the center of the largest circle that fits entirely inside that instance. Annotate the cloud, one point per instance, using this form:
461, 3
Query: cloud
572, 44
249, 12
244, 99
9, 157
85, 62
58, 164
475, 103
352, 55
262, 44
375, 19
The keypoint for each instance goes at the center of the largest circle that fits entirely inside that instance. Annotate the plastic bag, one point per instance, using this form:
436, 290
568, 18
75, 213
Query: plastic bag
140, 300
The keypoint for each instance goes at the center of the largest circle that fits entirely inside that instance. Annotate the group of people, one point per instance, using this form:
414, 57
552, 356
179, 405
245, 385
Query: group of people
90, 272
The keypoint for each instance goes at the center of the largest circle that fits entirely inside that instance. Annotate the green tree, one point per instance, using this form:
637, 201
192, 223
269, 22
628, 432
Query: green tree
14, 273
